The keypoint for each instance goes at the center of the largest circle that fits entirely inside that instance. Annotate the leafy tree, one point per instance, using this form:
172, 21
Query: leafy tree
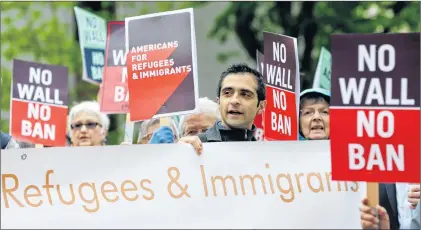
312, 23
49, 41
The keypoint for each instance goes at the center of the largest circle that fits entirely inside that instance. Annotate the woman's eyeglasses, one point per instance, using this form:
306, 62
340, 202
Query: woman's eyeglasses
88, 125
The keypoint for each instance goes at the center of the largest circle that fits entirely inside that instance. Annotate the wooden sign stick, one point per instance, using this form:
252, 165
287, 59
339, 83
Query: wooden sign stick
373, 197
39, 146
128, 130
165, 121
373, 194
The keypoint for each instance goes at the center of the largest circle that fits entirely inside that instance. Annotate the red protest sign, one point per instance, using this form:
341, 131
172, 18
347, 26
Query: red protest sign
258, 120
281, 75
280, 121
114, 93
39, 103
161, 64
375, 107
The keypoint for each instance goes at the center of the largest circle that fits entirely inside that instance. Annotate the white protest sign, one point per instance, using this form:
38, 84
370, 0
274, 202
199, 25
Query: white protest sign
232, 185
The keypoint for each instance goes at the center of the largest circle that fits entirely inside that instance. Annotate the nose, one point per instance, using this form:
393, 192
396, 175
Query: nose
235, 99
83, 128
317, 116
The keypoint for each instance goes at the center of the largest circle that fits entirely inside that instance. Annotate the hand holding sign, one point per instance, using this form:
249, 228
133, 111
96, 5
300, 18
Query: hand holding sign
414, 195
369, 219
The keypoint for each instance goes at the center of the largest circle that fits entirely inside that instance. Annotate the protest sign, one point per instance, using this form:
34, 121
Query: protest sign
375, 107
39, 103
281, 75
258, 120
231, 186
161, 64
115, 92
260, 58
92, 38
323, 70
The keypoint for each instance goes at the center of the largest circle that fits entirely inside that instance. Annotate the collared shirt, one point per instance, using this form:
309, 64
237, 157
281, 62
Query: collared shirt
405, 213
415, 223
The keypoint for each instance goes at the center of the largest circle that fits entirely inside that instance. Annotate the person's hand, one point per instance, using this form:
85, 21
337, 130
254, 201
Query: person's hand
414, 195
194, 141
369, 220
163, 135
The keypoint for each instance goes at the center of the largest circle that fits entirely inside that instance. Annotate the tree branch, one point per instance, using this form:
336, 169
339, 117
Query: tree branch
283, 10
243, 28
397, 8
310, 30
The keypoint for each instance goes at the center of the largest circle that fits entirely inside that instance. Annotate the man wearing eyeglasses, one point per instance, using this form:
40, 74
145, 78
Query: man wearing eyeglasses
88, 125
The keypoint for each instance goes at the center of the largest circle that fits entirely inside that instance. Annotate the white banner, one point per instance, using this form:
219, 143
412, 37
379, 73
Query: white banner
276, 185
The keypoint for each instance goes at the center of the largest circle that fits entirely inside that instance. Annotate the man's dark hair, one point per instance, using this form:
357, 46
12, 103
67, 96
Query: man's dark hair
244, 68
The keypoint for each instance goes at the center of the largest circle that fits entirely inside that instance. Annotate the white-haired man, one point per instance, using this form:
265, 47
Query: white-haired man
194, 124
88, 125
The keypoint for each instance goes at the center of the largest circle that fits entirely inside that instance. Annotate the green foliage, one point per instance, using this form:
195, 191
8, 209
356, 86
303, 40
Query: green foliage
225, 56
47, 41
155, 7
326, 18
27, 32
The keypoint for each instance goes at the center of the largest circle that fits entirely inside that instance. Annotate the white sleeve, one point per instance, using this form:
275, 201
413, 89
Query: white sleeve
415, 223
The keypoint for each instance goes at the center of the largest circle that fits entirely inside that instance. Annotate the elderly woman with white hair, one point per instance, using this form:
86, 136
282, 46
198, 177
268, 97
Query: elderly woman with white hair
206, 116
88, 125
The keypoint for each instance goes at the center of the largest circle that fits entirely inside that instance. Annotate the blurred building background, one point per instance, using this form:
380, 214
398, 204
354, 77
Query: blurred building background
226, 33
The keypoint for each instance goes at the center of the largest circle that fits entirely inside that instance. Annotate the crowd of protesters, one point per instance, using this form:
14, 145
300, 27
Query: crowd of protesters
240, 97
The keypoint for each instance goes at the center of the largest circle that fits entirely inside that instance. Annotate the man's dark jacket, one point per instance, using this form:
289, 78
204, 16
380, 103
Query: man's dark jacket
387, 199
218, 133
4, 139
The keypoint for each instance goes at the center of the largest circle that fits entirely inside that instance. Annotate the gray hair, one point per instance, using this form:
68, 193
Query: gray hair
205, 106
146, 124
91, 107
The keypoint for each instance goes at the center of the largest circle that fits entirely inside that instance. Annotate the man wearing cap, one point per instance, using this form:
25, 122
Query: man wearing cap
314, 114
